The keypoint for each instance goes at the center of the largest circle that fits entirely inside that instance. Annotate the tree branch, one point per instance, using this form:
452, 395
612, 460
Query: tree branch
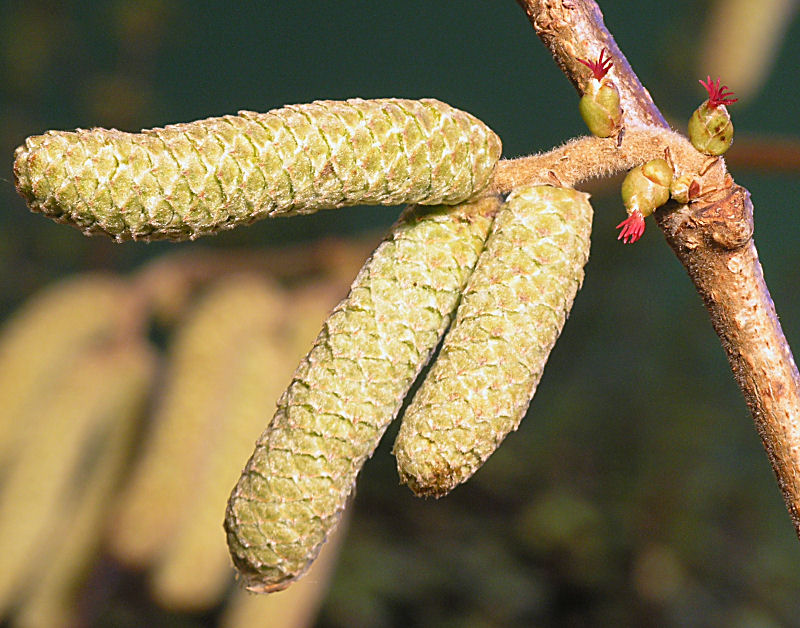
712, 238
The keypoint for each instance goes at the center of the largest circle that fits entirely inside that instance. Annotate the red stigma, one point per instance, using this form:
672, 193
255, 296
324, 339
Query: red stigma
632, 227
717, 95
600, 67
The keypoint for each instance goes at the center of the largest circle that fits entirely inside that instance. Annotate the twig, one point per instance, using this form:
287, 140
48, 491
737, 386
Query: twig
713, 240
591, 157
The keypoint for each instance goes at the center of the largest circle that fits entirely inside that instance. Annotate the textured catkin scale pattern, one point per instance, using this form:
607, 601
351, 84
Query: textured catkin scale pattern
347, 390
297, 606
511, 313
185, 180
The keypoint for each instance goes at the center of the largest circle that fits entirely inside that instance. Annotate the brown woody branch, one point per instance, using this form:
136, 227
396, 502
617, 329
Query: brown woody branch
712, 238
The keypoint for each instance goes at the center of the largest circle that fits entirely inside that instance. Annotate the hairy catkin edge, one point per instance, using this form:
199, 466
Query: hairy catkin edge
511, 313
186, 180
347, 390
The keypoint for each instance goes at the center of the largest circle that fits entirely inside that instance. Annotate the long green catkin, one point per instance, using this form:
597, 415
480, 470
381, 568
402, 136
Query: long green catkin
347, 390
51, 597
512, 311
186, 180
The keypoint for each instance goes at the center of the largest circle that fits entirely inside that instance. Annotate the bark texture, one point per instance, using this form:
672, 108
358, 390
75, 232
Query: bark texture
712, 237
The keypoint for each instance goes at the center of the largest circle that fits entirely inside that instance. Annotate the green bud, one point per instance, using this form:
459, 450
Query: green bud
599, 105
646, 187
711, 130
684, 188
600, 108
710, 127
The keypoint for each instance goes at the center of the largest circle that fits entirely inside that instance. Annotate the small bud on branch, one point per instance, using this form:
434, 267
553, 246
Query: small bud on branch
710, 127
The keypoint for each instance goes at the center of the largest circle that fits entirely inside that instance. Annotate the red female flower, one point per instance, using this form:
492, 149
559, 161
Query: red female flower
717, 95
600, 67
632, 227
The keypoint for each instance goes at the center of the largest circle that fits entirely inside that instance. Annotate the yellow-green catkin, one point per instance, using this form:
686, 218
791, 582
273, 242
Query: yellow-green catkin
200, 377
49, 473
51, 599
186, 180
512, 311
40, 343
348, 388
194, 569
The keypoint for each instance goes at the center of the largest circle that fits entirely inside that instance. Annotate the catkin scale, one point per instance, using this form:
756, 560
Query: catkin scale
347, 390
186, 180
511, 313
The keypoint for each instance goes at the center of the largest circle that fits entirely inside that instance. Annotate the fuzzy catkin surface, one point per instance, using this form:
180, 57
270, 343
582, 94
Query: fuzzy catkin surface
512, 311
347, 390
186, 180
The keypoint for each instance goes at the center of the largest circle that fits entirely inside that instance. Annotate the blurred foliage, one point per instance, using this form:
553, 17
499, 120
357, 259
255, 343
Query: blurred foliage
636, 492
86, 402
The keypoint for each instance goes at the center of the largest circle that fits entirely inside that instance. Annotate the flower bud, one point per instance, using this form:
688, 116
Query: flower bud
710, 128
599, 105
644, 189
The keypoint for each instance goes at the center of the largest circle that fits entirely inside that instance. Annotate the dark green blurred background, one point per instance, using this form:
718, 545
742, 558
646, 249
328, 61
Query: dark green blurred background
637, 490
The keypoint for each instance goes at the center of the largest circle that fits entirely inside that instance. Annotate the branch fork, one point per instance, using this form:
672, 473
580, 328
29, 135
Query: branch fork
712, 234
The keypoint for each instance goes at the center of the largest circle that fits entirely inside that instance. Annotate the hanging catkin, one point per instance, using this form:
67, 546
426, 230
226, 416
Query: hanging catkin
512, 311
347, 390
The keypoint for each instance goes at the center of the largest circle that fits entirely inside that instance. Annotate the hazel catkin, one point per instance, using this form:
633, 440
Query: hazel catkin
186, 180
510, 316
